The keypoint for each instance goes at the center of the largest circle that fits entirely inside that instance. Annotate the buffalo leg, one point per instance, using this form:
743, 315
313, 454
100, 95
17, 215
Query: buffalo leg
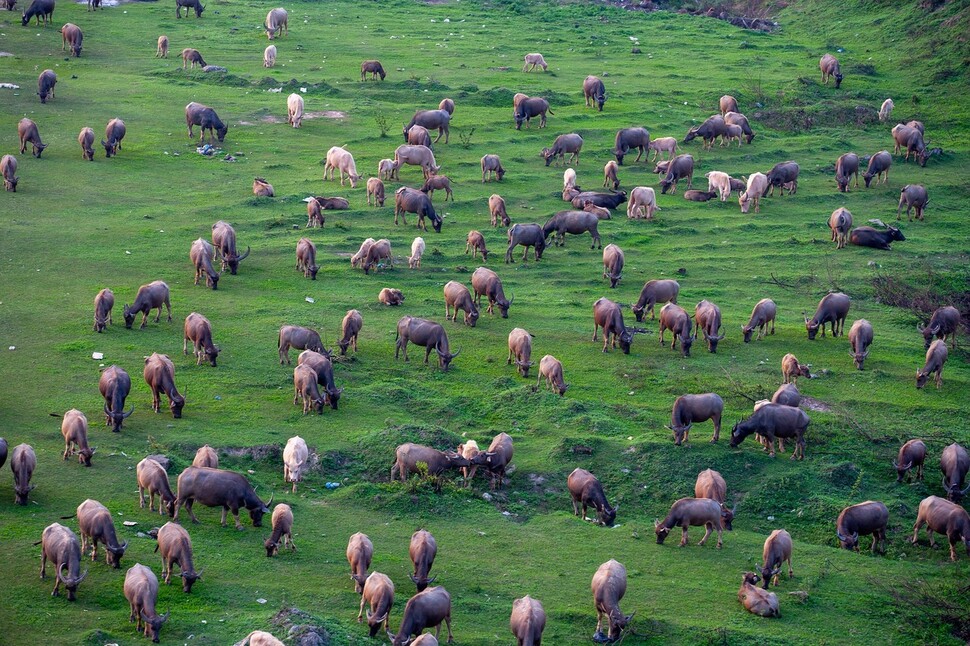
717, 429
144, 318
683, 537
708, 527
719, 541
427, 353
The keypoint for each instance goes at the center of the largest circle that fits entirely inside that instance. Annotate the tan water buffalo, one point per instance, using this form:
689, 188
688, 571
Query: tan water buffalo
426, 609
832, 309
653, 292
695, 408
60, 546
378, 593
424, 333
349, 328
74, 428
141, 590
198, 330
944, 517
96, 526
911, 454
688, 512
674, 318
458, 297
282, 523
115, 384
153, 479
755, 600
764, 312
422, 551
777, 550
520, 350
149, 297
550, 368
609, 586
175, 548
160, 376
527, 622
360, 551
486, 282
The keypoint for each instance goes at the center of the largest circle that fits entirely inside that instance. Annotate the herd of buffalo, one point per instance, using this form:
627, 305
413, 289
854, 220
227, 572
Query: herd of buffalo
777, 421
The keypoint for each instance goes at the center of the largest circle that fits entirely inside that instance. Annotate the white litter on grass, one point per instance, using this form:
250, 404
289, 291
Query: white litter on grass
9, 86
280, 89
129, 523
97, 355
13, 347
260, 600
303, 89
309, 300
127, 253
251, 471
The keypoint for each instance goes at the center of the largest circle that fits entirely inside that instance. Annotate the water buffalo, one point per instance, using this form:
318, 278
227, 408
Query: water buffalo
840, 222
868, 517
734, 118
141, 591
432, 120
527, 622
206, 118
911, 454
200, 253
774, 421
475, 242
551, 368
574, 222
341, 160
149, 297
305, 381
115, 384
609, 586
390, 297
944, 517
629, 138
913, 196
282, 523
350, 327
688, 512
152, 478
531, 107
613, 264
299, 338
954, 463
912, 140
424, 333
527, 235
870, 237
206, 456
160, 376
295, 455
486, 282
224, 243
114, 132
594, 91
378, 592
96, 526
458, 297
374, 68
306, 258
680, 167
709, 131
860, 338
175, 547
418, 136
426, 609
755, 600
710, 484
653, 292
409, 455
196, 5
60, 546
764, 312
606, 200
23, 461
791, 369
497, 458
783, 175
74, 428
695, 408
422, 550
944, 322
846, 166
609, 316
708, 318
492, 168
276, 23
38, 9
520, 349
777, 550
832, 309
586, 491
380, 250
8, 169
571, 143
28, 133
360, 551
830, 68
674, 318
218, 488
879, 165
71, 36
409, 200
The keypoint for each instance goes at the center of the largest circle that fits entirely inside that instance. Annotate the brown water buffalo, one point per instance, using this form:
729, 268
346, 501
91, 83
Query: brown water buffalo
198, 330
944, 322
954, 463
458, 297
727, 103
613, 259
409, 200
60, 546
682, 166
708, 318
912, 140
175, 547
527, 622
23, 461
418, 136
149, 297
360, 551
860, 338
409, 455
438, 183
475, 242
218, 488
282, 523
161, 51
594, 91
832, 309
432, 120
96, 526
349, 329
3, 451
262, 188
206, 456
787, 395
115, 384
520, 349
764, 312
691, 511
486, 282
224, 242
840, 222
551, 368
943, 517
653, 292
45, 88
911, 454
323, 367
380, 250
870, 237
574, 222
609, 586
153, 479
609, 316
8, 169
192, 57
791, 369
141, 590
674, 318
305, 381
709, 131
695, 408
160, 376
710, 484
206, 118
570, 143
755, 600
629, 138
734, 118
846, 166
497, 458
774, 421
195, 5
390, 297
783, 175
865, 518
777, 550
426, 609
830, 68
378, 593
28, 133
374, 68
114, 132
527, 235
492, 168
74, 428
299, 338
879, 165
72, 37
424, 333
306, 258
375, 189
201, 256
531, 107
422, 551
913, 196
586, 491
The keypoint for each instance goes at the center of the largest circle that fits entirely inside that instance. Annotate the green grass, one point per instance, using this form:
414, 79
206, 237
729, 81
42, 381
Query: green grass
74, 227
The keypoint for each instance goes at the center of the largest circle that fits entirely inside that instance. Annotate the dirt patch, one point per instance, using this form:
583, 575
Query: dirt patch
815, 405
246, 123
325, 114
271, 118
259, 452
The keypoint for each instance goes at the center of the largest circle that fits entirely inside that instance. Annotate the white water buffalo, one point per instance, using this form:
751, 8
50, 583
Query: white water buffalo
60, 546
342, 161
159, 374
269, 56
295, 456
161, 51
727, 103
791, 369
534, 60
764, 312
262, 188
416, 156
391, 297
206, 456
754, 190
609, 586
294, 112
688, 409
424, 333
832, 309
277, 23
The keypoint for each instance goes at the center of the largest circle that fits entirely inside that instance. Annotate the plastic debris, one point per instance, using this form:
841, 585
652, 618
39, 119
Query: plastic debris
308, 299
129, 523
260, 600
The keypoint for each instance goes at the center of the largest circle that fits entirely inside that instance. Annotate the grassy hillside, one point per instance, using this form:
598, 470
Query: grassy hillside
74, 227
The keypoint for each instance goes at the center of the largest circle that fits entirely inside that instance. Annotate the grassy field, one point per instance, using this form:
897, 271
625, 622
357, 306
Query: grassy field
74, 227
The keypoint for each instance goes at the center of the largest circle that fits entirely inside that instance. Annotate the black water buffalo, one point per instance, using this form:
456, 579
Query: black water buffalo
531, 107
710, 130
774, 421
680, 167
782, 175
574, 222
629, 138
944, 322
832, 309
115, 384
432, 120
527, 235
594, 91
868, 517
605, 200
409, 200
206, 118
954, 463
196, 5
219, 488
870, 237
425, 333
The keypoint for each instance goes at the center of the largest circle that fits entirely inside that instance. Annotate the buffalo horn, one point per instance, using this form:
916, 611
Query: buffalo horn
963, 491
125, 415
242, 257
840, 536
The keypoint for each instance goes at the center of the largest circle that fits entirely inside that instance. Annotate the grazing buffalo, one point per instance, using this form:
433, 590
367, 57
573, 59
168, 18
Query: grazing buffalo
682, 166
832, 309
594, 91
574, 222
45, 87
774, 421
422, 550
613, 259
492, 168
196, 5
198, 330
913, 196
709, 131
23, 461
224, 243
551, 368
409, 455
531, 107
380, 250
860, 338
141, 591
378, 592
520, 349
944, 322
282, 523
71, 36
734, 118
438, 183
342, 161
276, 23
609, 316
865, 518
846, 166
708, 318
609, 586
695, 408
409, 200
840, 222
497, 459
375, 189
28, 133
475, 242
418, 136
60, 546
783, 175
431, 120
206, 456
870, 237
586, 491
374, 68
360, 551
160, 376
527, 235
349, 328
629, 138
486, 283
764, 312
424, 333
114, 132
954, 463
688, 512
94, 522
879, 165
911, 454
206, 118
426, 609
755, 600
8, 169
674, 318
911, 139
653, 292
299, 338
944, 517
306, 258
305, 381
200, 253
74, 428
153, 479
38, 9
149, 297
458, 297
777, 550
830, 68
218, 488
115, 384
175, 547
527, 622
710, 484
571, 143
727, 103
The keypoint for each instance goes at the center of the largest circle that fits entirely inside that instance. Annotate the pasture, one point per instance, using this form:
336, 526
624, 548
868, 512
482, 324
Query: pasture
74, 227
